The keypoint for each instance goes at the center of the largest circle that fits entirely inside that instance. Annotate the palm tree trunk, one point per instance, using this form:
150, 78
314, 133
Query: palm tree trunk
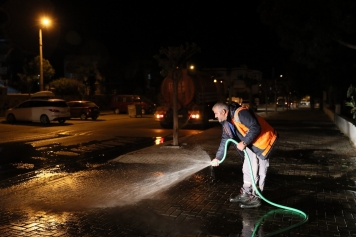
175, 108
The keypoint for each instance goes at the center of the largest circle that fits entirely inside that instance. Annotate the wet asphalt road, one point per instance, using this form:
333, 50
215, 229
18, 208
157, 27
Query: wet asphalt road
75, 145
22, 160
165, 191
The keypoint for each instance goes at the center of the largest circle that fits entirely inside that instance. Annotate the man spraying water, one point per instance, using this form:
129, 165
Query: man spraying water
255, 135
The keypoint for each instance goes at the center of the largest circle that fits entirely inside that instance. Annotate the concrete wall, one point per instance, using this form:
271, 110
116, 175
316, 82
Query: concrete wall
346, 127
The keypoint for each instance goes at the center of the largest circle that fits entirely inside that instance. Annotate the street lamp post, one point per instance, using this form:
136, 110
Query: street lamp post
44, 22
41, 62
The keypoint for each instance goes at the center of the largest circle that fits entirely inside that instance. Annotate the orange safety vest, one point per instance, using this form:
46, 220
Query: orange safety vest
265, 139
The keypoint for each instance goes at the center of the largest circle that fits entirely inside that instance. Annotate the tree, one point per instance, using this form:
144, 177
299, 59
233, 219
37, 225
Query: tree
114, 72
320, 36
173, 60
31, 71
68, 86
314, 31
85, 70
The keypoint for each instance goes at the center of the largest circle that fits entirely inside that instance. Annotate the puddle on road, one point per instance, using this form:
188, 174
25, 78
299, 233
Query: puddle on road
21, 158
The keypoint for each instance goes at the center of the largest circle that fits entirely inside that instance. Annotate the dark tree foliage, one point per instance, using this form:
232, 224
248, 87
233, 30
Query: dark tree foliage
313, 30
68, 86
351, 94
30, 75
320, 34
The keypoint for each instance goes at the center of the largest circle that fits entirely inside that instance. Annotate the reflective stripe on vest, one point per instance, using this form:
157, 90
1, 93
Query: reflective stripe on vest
265, 139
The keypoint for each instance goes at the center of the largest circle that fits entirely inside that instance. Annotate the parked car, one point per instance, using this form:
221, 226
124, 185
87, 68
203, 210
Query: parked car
44, 95
304, 103
83, 109
282, 103
119, 103
39, 110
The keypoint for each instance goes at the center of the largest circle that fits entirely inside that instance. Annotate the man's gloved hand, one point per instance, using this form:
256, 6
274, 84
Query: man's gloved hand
215, 162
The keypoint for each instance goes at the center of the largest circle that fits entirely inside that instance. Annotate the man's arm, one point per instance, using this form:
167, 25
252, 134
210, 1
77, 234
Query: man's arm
221, 150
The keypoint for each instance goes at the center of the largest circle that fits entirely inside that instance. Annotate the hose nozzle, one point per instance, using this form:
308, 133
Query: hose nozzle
214, 162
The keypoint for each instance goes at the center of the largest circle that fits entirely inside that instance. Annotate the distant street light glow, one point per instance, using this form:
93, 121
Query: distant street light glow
45, 21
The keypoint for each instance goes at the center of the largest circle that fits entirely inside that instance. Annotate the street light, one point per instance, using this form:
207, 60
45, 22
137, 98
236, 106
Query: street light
44, 22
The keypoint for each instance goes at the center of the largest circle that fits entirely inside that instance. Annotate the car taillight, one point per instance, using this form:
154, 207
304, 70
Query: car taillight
54, 110
159, 140
159, 116
195, 116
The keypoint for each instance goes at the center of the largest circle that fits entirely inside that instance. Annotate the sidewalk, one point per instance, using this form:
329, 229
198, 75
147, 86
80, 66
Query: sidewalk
166, 191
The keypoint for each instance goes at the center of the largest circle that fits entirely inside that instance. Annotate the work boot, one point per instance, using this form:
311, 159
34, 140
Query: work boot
252, 203
242, 197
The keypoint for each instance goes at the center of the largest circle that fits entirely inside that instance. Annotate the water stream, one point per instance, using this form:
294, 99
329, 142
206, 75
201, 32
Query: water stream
148, 188
130, 179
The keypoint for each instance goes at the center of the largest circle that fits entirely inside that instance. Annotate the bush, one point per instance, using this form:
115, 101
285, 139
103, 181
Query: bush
351, 92
67, 86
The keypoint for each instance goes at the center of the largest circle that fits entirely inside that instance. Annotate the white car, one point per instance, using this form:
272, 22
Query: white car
39, 110
304, 103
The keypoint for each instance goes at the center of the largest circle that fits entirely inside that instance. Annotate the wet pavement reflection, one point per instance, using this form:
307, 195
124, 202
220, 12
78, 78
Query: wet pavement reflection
173, 191
22, 158
56, 200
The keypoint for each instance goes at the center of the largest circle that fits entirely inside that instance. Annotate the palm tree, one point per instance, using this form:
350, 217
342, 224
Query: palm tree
173, 60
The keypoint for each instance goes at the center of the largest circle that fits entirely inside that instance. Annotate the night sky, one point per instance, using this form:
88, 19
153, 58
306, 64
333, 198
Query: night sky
228, 34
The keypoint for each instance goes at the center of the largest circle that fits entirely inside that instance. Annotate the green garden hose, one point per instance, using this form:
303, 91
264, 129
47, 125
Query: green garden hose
260, 195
